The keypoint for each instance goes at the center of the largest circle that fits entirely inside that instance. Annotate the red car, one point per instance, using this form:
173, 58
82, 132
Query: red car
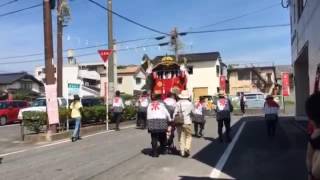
9, 111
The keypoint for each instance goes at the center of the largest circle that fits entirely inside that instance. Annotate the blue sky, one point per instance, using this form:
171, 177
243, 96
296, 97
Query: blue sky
22, 33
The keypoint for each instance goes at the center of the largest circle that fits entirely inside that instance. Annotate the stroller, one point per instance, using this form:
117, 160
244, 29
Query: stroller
171, 148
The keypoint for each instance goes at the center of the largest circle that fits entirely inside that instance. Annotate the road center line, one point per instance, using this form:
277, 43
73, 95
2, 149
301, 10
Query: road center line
216, 171
60, 142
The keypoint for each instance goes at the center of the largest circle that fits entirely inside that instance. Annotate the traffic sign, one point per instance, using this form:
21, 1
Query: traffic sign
104, 54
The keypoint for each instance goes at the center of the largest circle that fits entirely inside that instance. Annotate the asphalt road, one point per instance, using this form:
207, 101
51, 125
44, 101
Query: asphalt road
121, 155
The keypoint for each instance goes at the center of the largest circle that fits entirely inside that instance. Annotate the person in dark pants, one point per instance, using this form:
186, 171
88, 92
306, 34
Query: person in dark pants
242, 103
198, 117
117, 109
271, 109
143, 103
223, 110
157, 121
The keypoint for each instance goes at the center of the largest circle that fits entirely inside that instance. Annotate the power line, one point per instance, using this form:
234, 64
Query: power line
82, 55
83, 48
238, 17
127, 19
20, 10
237, 29
7, 3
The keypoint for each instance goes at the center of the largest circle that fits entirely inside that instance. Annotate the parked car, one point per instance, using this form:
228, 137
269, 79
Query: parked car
40, 104
254, 100
9, 111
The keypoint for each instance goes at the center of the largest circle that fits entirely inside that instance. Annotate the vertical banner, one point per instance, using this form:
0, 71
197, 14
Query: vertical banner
223, 83
285, 84
52, 104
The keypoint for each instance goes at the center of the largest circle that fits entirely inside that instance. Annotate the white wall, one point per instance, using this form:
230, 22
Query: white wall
128, 83
143, 81
204, 75
305, 31
308, 28
70, 75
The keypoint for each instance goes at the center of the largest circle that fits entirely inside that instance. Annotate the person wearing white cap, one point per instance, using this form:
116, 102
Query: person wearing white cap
184, 107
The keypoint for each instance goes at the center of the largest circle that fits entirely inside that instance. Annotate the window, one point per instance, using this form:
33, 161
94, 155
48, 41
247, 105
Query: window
269, 77
190, 69
218, 70
26, 85
300, 6
138, 80
120, 80
243, 75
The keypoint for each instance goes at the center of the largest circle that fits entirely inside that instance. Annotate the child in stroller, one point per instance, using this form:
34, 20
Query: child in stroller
171, 148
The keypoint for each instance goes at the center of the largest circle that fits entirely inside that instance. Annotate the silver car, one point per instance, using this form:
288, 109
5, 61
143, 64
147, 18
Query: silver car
254, 100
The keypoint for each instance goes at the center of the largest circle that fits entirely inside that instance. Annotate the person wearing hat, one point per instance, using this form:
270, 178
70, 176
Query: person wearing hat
157, 122
185, 108
143, 103
198, 117
271, 109
223, 110
76, 108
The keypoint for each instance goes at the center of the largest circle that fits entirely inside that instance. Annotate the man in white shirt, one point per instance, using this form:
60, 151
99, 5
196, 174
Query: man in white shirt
117, 109
143, 103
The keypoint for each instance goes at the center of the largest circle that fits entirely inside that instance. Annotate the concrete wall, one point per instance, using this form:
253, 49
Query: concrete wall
204, 75
128, 84
305, 33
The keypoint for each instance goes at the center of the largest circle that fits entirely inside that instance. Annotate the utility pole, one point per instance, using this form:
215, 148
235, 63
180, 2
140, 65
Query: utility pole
48, 48
59, 50
48, 45
175, 43
111, 84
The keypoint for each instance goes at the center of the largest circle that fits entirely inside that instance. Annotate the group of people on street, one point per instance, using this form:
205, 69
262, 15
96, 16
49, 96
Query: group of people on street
177, 113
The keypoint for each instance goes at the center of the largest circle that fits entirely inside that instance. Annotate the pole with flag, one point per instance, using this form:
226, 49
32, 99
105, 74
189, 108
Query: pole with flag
104, 54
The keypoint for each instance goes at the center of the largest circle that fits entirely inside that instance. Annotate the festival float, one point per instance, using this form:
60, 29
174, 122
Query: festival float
166, 76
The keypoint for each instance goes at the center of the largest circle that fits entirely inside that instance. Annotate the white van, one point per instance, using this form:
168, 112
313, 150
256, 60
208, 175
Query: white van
40, 104
254, 100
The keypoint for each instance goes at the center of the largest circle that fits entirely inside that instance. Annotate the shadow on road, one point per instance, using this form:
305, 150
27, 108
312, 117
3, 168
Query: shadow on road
256, 156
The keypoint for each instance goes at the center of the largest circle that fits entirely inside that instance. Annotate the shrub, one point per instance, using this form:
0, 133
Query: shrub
34, 120
129, 113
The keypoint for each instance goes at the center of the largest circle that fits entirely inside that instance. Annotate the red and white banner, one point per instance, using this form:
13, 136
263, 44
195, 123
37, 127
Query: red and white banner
52, 104
104, 54
223, 83
285, 84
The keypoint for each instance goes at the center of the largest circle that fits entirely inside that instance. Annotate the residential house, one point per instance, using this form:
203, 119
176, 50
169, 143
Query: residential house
251, 79
205, 70
305, 45
93, 80
11, 82
131, 79
89, 81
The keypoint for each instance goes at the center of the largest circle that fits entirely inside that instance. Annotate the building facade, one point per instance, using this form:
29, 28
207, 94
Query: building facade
251, 79
305, 47
20, 81
131, 79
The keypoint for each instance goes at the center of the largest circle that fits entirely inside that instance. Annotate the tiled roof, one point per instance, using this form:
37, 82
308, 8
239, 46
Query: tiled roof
10, 78
131, 69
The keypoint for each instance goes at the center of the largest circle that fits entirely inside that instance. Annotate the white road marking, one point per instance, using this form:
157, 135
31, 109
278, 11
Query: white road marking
216, 172
60, 142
